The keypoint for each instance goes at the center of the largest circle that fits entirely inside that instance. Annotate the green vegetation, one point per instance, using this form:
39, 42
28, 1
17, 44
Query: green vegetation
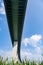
6, 62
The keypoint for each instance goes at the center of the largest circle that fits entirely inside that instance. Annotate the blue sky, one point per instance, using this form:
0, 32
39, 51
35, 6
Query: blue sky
32, 36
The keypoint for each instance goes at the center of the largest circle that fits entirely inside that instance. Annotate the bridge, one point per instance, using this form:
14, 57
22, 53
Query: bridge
15, 12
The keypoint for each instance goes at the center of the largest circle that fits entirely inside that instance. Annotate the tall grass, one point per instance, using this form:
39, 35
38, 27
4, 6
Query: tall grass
6, 62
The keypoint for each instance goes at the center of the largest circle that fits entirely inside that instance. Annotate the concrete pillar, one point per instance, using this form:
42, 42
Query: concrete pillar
14, 52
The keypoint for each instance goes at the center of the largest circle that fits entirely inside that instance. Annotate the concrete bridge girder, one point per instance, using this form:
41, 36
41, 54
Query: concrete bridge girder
15, 12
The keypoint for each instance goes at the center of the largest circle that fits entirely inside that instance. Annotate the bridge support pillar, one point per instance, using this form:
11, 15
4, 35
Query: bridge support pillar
14, 52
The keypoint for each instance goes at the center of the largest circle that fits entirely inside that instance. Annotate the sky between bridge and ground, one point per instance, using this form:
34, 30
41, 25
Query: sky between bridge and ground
32, 36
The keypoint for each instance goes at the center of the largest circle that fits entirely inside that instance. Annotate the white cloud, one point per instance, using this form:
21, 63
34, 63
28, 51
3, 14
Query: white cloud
25, 41
35, 37
6, 54
33, 40
2, 4
26, 54
38, 50
2, 9
9, 54
30, 56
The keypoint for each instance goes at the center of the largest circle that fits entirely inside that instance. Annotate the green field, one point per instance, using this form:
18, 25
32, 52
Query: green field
6, 62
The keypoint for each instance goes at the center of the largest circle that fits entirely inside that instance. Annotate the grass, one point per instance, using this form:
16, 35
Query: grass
6, 62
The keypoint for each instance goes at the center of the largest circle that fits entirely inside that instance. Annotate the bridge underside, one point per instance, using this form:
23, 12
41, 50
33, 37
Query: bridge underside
15, 12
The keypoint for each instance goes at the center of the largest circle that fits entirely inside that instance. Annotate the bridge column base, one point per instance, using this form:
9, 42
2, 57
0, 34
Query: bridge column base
14, 52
